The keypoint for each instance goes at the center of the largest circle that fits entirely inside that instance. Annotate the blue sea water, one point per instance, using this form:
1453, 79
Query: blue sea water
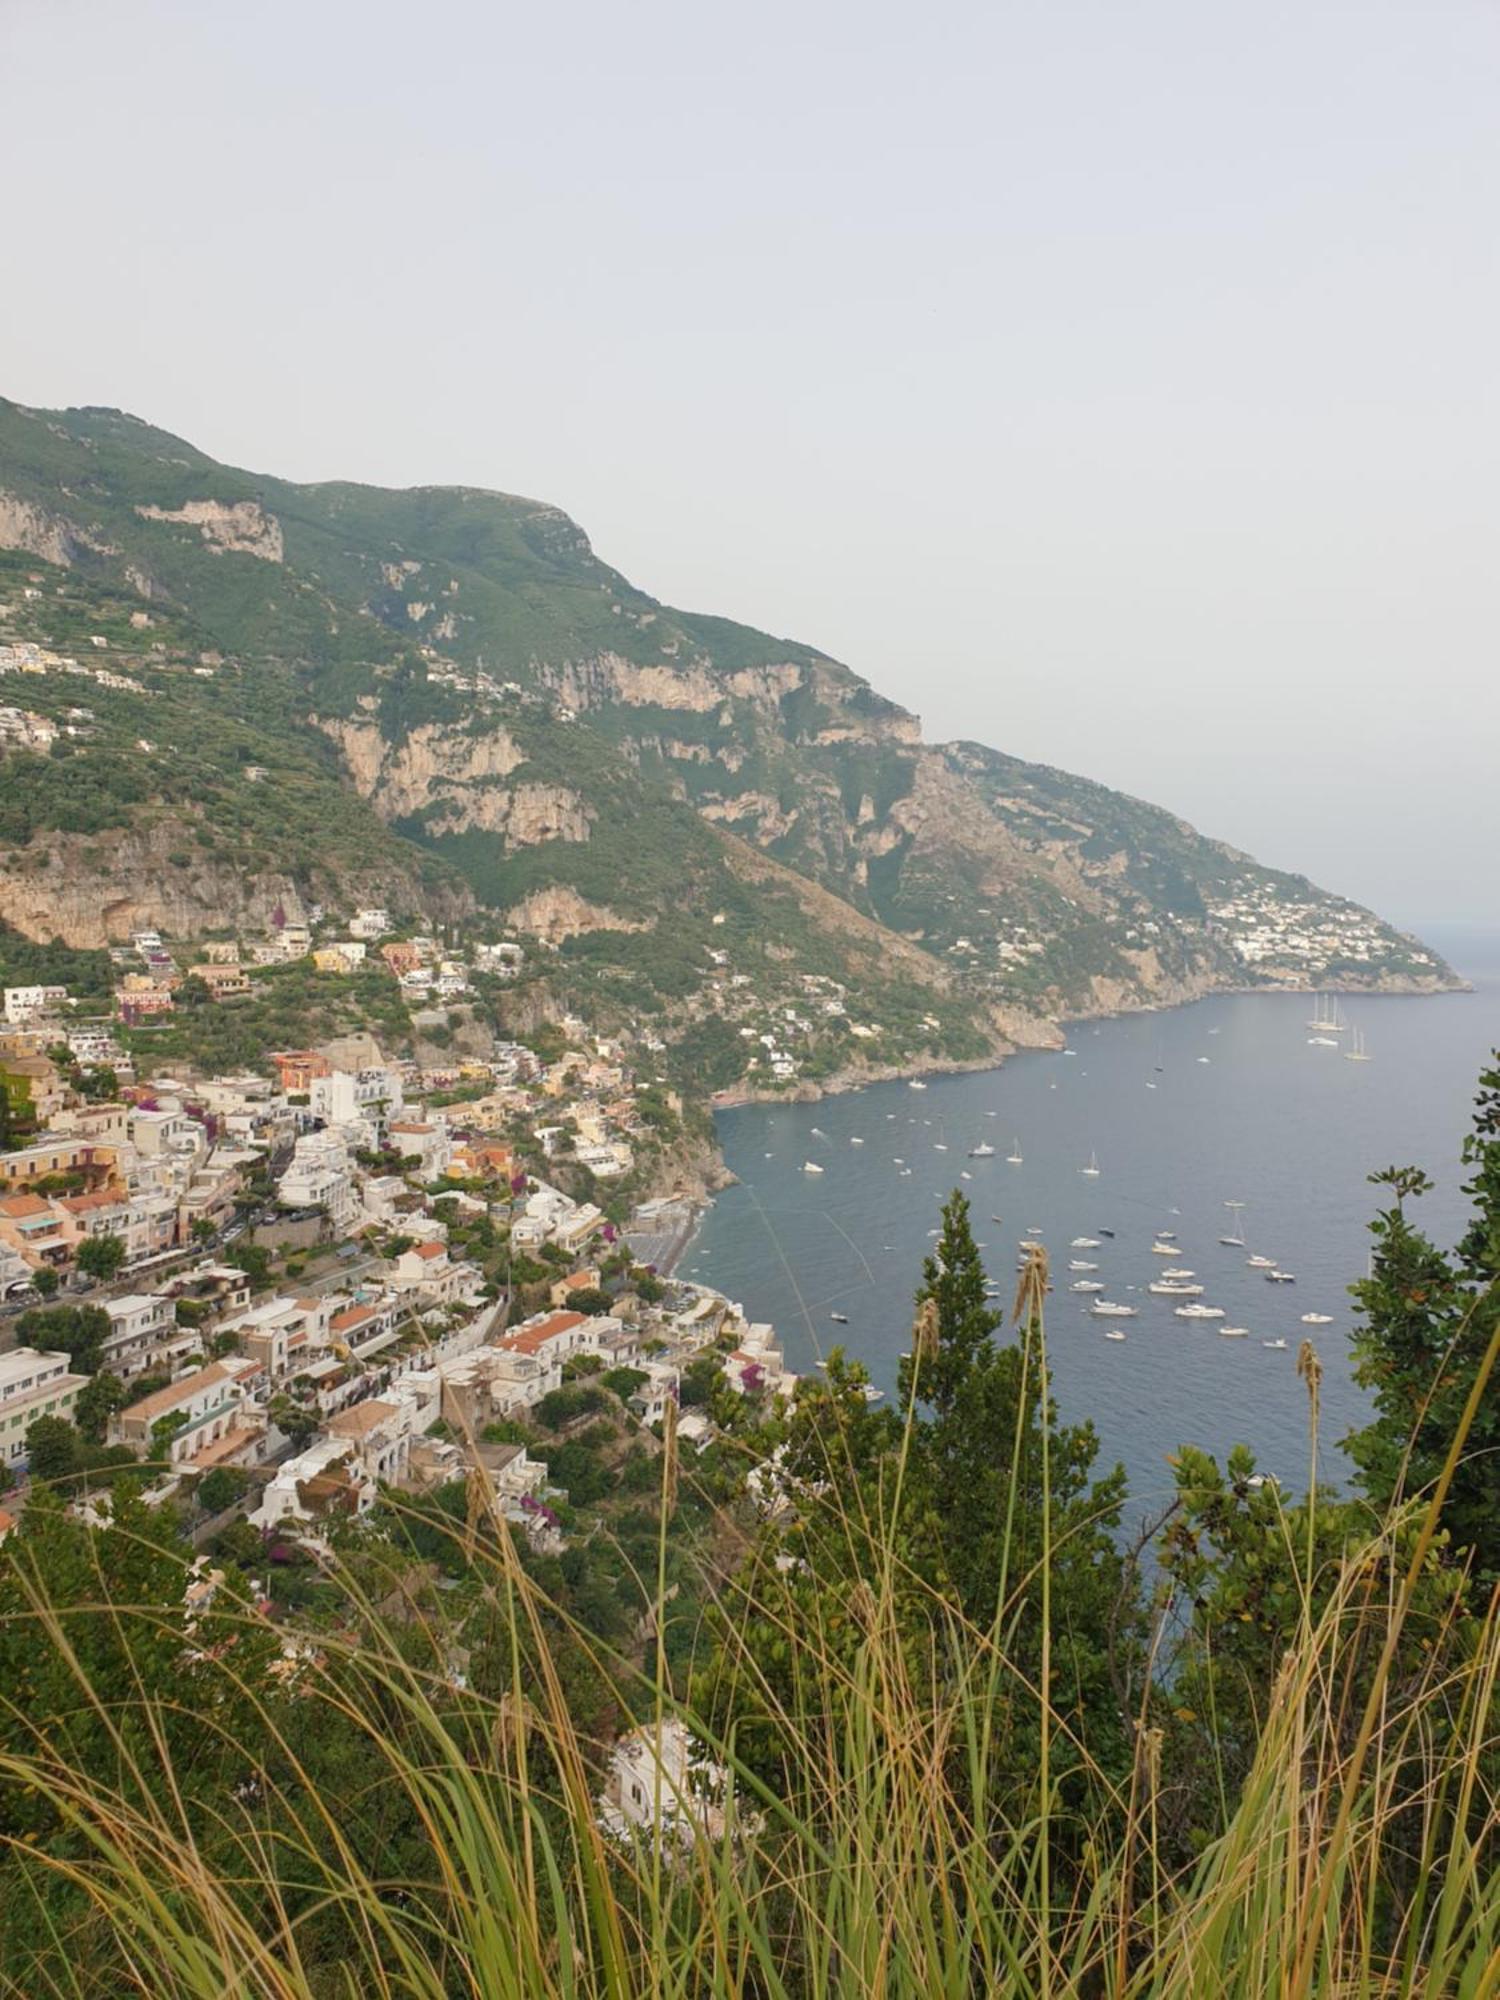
1187, 1110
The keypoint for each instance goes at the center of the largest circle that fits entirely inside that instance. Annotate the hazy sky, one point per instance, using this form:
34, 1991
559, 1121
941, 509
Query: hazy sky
1112, 383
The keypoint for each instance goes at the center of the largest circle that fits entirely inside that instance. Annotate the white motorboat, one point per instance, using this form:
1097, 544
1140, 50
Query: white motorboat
916, 1083
1261, 1263
1321, 1042
872, 1394
981, 1152
811, 1167
1175, 1289
1084, 1243
839, 1319
1317, 1319
1086, 1285
1113, 1333
1107, 1309
1178, 1271
1273, 1343
1279, 1277
1166, 1249
1200, 1312
940, 1145
855, 1140
1234, 1333
1081, 1264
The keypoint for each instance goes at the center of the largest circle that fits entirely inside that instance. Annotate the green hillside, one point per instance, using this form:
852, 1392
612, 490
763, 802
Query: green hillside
445, 693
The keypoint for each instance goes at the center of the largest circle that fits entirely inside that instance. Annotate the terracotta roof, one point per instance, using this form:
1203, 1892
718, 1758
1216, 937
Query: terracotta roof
531, 1339
352, 1316
19, 1206
429, 1249
81, 1204
149, 1408
362, 1419
579, 1280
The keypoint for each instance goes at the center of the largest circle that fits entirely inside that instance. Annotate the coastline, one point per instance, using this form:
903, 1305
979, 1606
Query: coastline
1051, 1035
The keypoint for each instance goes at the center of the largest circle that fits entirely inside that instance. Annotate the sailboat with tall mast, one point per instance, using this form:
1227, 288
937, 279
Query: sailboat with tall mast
1237, 1240
1327, 1020
1359, 1053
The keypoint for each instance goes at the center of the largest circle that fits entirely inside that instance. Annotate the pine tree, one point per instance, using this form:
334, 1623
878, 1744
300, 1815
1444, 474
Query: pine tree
1430, 1318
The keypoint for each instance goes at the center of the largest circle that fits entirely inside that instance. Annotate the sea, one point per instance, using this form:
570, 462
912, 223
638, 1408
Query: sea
1216, 1119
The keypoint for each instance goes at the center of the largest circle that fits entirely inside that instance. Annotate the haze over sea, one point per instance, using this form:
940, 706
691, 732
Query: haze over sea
1243, 1109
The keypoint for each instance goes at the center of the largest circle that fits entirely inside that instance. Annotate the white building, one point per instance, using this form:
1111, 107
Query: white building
319, 1177
24, 1003
365, 1097
33, 1383
664, 1782
144, 1335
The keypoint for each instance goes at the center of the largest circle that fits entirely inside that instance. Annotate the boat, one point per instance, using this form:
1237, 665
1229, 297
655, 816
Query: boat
897, 1161
1234, 1333
1326, 1019
1273, 1343
1321, 1042
1237, 1240
1166, 1235
1092, 1169
1258, 1263
1178, 1271
811, 1167
1317, 1319
839, 1319
1359, 1053
818, 1132
965, 1175
1086, 1285
855, 1140
1084, 1243
981, 1152
871, 1394
1278, 1277
916, 1083
1081, 1264
997, 1218
1113, 1333
1013, 1158
1106, 1232
1107, 1309
1175, 1291
1204, 1059
1200, 1312
1029, 1243
1166, 1249
940, 1145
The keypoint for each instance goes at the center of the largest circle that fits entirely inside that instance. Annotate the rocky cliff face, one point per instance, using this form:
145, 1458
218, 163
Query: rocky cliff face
239, 527
94, 890
449, 778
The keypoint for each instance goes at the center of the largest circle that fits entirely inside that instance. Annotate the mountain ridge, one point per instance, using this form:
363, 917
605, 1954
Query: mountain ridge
537, 737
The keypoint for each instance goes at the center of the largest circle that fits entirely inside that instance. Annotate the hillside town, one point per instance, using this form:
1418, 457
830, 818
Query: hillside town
285, 1292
